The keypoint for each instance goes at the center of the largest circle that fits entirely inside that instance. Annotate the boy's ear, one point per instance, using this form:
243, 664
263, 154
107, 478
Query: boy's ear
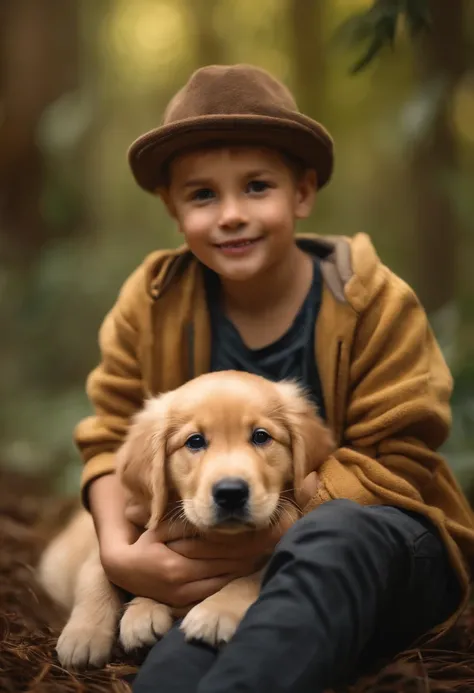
164, 194
306, 188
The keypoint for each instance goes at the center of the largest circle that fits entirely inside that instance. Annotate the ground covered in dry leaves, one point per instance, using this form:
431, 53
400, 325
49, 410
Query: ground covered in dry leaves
29, 623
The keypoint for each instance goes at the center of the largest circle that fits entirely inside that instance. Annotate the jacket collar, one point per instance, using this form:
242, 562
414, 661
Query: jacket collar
333, 251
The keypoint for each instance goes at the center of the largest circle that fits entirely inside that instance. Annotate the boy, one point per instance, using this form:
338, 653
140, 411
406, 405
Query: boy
382, 553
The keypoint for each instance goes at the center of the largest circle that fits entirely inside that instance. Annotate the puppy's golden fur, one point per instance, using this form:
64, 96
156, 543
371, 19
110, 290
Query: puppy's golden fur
225, 452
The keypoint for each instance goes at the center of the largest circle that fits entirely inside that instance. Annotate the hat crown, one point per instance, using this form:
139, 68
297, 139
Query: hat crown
230, 90
230, 104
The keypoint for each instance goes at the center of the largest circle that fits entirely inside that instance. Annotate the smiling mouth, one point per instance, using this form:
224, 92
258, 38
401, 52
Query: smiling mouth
242, 243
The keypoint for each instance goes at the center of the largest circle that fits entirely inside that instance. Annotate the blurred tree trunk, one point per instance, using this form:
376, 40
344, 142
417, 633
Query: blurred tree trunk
441, 55
38, 63
209, 48
306, 20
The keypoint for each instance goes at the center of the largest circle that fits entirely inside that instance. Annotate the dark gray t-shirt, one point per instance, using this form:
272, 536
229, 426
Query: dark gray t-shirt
289, 357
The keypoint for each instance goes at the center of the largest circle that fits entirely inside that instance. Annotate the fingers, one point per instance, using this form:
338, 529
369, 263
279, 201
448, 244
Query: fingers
217, 544
204, 550
169, 531
237, 549
190, 570
247, 546
159, 561
189, 594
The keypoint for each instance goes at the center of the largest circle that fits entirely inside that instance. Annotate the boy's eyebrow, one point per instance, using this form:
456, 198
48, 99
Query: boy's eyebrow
255, 173
203, 182
197, 183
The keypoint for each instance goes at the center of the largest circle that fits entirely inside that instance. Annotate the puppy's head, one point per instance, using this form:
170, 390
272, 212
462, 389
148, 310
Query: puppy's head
227, 445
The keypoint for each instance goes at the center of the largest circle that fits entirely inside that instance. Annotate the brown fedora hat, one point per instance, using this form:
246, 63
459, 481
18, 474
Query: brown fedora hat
237, 104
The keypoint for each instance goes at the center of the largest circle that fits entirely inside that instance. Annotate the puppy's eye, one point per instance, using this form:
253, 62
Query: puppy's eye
260, 437
196, 442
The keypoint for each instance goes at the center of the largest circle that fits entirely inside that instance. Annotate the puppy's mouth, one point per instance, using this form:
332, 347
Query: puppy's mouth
235, 520
233, 525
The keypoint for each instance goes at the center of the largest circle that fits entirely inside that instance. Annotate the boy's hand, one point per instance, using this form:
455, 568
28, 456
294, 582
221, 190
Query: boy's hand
149, 568
245, 547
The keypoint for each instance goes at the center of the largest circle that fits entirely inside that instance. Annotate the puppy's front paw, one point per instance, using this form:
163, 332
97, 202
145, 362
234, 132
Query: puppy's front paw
211, 622
143, 623
85, 644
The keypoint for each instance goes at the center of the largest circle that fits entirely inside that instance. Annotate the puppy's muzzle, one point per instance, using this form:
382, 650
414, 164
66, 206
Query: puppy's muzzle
230, 497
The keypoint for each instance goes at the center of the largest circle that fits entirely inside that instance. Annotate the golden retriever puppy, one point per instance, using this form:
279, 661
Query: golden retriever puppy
226, 452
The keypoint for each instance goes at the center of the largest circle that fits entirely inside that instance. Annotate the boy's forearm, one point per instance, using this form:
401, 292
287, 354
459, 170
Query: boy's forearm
107, 502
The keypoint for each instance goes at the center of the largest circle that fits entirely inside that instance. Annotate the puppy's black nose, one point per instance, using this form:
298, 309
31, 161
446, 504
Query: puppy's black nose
230, 493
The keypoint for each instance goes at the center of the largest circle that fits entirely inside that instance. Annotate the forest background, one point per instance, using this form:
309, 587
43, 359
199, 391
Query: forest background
393, 80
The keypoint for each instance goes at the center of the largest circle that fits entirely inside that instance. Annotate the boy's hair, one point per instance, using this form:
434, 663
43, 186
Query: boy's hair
237, 104
296, 166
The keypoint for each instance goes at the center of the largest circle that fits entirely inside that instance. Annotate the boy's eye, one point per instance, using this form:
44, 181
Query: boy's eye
257, 186
196, 442
202, 195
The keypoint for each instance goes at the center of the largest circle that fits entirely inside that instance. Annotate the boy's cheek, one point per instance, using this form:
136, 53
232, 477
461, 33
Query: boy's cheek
197, 231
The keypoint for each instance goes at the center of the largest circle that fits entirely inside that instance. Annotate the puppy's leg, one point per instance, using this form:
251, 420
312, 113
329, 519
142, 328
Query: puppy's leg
215, 619
63, 558
143, 623
88, 637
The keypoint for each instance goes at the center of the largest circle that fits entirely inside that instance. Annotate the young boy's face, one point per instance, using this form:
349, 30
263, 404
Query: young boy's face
237, 207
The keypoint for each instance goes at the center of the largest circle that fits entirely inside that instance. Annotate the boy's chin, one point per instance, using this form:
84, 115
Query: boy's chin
240, 272
242, 269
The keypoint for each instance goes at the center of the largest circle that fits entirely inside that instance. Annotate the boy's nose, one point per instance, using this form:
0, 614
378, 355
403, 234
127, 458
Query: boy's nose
233, 215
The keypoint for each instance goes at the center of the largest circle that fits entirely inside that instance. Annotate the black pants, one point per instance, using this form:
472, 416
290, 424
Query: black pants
345, 584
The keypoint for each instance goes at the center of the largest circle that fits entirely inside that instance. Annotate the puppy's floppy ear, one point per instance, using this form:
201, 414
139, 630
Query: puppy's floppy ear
311, 439
141, 460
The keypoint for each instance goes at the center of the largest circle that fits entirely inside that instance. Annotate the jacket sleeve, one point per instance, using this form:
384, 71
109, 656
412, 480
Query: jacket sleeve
115, 387
398, 411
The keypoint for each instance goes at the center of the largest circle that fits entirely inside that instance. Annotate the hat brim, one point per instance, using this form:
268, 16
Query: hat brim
300, 137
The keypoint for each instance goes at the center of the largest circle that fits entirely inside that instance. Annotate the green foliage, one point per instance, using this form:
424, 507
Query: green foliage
377, 26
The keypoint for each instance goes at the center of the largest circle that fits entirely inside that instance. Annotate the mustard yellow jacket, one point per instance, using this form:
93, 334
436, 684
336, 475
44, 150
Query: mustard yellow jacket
385, 383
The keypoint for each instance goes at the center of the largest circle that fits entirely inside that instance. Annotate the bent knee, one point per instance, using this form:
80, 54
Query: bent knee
339, 518
334, 513
354, 528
